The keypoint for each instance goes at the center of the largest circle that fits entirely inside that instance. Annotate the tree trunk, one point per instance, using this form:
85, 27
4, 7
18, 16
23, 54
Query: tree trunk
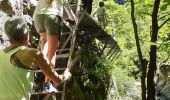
142, 61
152, 63
144, 64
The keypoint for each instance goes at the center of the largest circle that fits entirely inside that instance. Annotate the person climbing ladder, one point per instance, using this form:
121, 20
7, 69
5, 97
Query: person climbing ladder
47, 20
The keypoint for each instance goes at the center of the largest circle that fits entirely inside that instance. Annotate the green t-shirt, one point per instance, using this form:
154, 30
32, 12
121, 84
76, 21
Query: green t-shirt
100, 12
15, 83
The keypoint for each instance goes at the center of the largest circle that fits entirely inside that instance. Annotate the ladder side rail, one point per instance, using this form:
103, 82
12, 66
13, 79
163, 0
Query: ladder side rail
72, 45
66, 42
70, 58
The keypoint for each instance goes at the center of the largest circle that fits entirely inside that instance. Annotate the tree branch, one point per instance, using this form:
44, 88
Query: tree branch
146, 13
164, 23
167, 14
142, 61
135, 31
165, 59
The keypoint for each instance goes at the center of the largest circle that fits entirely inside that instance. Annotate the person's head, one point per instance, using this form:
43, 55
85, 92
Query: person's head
101, 4
16, 29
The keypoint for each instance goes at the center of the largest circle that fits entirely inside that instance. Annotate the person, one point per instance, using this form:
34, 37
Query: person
101, 15
18, 62
48, 20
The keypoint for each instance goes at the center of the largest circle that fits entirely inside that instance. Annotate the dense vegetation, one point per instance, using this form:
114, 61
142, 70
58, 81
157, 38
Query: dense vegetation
143, 34
146, 18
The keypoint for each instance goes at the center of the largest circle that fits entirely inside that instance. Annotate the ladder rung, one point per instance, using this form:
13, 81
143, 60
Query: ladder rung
59, 50
39, 93
57, 69
65, 33
62, 55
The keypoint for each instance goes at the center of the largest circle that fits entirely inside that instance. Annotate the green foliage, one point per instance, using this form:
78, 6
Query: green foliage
164, 7
95, 73
74, 91
101, 72
125, 36
98, 76
152, 43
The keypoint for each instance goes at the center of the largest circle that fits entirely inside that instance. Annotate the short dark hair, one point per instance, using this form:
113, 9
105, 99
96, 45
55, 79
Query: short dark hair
101, 4
16, 28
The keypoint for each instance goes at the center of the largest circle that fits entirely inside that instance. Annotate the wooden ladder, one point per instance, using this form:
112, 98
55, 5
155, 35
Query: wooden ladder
67, 50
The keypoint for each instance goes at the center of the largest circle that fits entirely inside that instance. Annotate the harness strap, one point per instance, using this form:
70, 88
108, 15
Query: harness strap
18, 62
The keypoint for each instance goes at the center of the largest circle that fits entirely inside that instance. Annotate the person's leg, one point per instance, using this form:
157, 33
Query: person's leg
46, 26
99, 22
104, 23
53, 31
53, 44
39, 26
43, 39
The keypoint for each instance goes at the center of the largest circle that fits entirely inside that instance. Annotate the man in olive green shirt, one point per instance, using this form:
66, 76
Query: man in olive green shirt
18, 61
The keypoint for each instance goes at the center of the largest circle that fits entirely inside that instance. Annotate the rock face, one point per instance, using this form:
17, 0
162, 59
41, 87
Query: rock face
29, 6
9, 8
24, 8
18, 7
162, 82
6, 7
3, 38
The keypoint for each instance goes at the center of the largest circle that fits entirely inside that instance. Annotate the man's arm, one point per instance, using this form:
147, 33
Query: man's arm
47, 69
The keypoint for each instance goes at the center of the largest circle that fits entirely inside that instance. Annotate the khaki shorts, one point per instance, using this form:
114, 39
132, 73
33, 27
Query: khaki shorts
51, 24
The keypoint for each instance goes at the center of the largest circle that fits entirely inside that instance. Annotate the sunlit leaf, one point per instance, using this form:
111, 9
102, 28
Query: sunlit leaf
164, 7
166, 1
166, 42
153, 43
